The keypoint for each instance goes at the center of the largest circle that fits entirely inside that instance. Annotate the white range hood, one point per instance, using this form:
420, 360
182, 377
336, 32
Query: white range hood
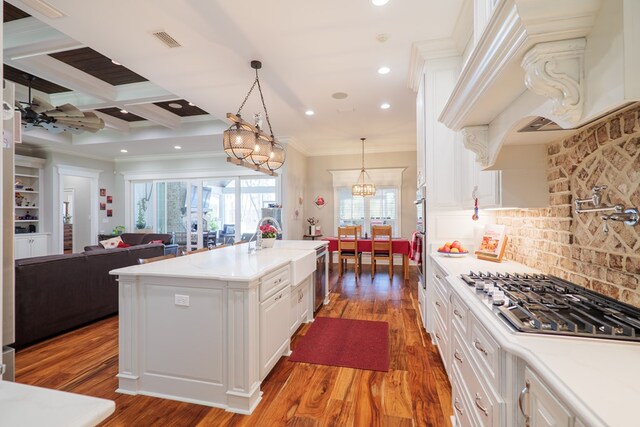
542, 68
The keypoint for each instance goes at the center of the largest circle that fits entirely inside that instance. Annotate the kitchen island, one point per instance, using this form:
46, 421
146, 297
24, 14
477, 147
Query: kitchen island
207, 328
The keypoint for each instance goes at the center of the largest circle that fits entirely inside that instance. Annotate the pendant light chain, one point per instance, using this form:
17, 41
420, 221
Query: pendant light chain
248, 94
266, 113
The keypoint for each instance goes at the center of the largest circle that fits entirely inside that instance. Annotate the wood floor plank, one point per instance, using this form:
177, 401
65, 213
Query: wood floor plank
416, 390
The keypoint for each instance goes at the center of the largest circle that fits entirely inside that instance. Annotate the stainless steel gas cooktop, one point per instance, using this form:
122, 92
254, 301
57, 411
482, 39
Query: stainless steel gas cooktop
537, 303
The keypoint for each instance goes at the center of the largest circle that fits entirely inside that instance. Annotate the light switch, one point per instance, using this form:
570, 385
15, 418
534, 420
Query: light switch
182, 300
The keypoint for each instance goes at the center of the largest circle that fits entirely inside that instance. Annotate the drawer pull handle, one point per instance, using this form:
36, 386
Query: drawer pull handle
456, 355
481, 349
523, 393
437, 335
479, 405
457, 313
278, 297
277, 281
456, 404
439, 277
438, 304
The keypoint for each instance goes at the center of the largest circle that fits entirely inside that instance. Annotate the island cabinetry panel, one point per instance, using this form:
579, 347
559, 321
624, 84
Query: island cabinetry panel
274, 329
301, 305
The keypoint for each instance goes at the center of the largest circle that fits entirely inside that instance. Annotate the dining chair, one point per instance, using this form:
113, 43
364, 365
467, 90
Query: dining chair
156, 258
381, 247
348, 248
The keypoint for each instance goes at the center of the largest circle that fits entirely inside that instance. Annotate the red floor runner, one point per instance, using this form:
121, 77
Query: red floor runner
360, 344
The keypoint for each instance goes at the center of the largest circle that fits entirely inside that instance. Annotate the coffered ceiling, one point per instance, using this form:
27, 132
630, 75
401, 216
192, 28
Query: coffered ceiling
310, 51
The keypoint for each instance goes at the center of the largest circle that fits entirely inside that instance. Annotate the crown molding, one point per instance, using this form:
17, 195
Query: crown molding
171, 156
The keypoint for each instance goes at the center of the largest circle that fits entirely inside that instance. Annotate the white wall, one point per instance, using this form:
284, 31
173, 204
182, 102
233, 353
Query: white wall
320, 183
81, 211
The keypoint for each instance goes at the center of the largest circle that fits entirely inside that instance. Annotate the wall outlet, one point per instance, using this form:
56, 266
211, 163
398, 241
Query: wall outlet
182, 300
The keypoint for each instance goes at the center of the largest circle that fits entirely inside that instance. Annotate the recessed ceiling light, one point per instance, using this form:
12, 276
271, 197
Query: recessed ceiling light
123, 111
379, 2
309, 112
384, 70
385, 106
114, 62
191, 104
175, 105
339, 95
124, 151
177, 147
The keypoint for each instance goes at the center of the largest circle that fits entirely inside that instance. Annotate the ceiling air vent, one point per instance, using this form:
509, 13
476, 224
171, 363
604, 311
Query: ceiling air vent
165, 38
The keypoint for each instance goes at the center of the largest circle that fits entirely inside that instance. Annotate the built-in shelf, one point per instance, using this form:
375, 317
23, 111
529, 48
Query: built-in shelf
26, 220
26, 207
27, 191
27, 174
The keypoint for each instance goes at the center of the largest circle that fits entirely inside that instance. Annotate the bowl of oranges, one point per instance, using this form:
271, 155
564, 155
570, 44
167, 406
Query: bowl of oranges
453, 249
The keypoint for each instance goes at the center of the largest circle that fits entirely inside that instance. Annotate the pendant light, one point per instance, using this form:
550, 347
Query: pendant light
364, 186
248, 145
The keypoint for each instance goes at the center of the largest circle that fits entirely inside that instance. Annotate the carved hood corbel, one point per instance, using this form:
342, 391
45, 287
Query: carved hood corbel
556, 70
476, 139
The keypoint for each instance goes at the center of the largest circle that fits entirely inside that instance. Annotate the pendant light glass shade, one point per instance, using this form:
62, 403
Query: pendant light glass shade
238, 142
261, 151
364, 186
277, 156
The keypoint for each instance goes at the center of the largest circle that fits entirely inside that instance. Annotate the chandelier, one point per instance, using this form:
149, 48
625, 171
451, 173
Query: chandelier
247, 144
364, 186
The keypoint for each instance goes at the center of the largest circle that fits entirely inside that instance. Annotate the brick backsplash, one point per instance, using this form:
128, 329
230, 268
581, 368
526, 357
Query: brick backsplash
573, 246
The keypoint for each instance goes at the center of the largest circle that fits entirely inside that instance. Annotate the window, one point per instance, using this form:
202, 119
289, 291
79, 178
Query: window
255, 194
381, 209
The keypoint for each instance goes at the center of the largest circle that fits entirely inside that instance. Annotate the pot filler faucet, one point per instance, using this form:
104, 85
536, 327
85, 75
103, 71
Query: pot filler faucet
258, 234
629, 216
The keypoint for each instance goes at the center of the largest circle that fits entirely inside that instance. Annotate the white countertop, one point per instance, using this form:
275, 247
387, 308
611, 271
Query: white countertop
28, 406
599, 379
233, 263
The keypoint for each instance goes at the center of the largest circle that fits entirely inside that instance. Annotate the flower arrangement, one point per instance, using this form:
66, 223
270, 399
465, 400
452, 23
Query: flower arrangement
313, 220
268, 231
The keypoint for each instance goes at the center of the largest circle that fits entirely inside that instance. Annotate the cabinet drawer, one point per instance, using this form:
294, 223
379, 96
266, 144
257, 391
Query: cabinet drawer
273, 282
440, 303
442, 342
484, 401
459, 313
485, 351
461, 407
439, 279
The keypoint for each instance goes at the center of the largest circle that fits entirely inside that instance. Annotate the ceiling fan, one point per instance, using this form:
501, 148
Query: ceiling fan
64, 118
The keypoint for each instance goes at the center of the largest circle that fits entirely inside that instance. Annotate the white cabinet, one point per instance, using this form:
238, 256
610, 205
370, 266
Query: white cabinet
300, 305
31, 245
487, 184
420, 134
541, 406
274, 329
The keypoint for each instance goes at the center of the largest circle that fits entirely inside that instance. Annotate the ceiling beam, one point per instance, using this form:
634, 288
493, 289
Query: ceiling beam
155, 114
114, 122
29, 37
65, 75
133, 93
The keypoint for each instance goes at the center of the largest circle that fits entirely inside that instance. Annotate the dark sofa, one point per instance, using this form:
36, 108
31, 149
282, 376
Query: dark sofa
135, 239
56, 293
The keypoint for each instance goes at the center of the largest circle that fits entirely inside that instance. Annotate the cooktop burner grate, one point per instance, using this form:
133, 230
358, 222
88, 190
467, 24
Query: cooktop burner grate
537, 303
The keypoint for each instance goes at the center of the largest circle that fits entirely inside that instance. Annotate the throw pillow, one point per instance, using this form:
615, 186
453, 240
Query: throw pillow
111, 243
122, 244
156, 241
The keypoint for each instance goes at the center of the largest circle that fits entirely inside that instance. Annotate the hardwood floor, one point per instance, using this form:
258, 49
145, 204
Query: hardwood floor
415, 391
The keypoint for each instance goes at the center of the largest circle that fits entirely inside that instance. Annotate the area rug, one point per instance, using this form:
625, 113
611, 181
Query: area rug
359, 344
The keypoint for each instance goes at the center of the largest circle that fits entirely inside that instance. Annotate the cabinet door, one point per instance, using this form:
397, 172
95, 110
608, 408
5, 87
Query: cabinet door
294, 311
487, 183
22, 247
274, 329
39, 245
303, 303
544, 409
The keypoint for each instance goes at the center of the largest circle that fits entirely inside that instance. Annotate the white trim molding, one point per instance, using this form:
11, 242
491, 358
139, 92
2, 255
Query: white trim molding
476, 139
555, 70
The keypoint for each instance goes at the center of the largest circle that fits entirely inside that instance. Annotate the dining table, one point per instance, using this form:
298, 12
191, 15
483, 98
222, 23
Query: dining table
398, 246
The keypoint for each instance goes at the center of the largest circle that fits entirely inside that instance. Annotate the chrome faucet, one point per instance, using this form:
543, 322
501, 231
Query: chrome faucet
629, 217
595, 200
258, 234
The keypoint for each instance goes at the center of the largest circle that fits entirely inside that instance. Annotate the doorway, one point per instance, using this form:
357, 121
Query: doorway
84, 208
